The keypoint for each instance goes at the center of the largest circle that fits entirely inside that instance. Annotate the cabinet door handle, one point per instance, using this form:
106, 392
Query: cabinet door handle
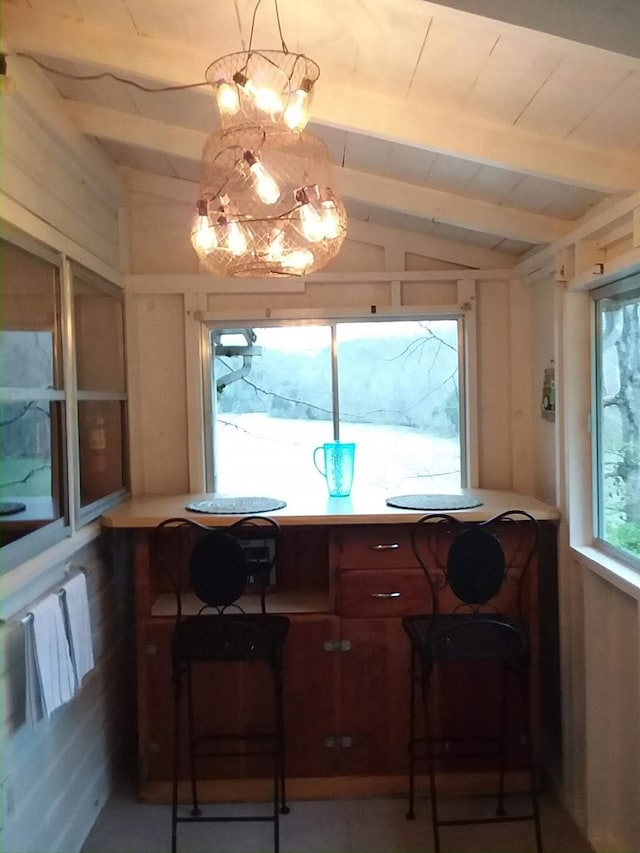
384, 594
385, 546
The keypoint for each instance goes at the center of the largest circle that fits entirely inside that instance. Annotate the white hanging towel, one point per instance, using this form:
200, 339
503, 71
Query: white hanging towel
49, 672
75, 605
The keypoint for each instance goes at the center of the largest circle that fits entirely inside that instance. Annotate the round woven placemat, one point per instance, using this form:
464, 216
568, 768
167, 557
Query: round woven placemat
434, 502
11, 507
235, 505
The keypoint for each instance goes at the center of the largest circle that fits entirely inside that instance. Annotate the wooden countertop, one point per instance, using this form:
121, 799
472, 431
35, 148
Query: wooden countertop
359, 508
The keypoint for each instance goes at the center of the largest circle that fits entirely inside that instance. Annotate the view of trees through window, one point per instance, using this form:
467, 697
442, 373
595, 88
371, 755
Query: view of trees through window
618, 403
25, 425
397, 397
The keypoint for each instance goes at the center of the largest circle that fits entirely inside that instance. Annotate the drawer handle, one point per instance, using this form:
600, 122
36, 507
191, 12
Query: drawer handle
389, 546
384, 594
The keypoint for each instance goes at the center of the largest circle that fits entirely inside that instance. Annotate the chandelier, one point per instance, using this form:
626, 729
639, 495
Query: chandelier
266, 206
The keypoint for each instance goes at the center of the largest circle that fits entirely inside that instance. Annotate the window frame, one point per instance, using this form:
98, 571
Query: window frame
466, 367
619, 286
74, 518
89, 512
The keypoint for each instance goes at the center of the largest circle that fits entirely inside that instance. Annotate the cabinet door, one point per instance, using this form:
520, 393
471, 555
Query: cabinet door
155, 702
374, 687
311, 668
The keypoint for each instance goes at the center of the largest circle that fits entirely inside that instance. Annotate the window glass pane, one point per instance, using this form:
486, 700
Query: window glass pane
273, 404
398, 400
618, 410
29, 337
399, 395
99, 330
31, 475
101, 430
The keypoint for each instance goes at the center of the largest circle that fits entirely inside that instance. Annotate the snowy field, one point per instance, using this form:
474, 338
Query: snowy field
260, 454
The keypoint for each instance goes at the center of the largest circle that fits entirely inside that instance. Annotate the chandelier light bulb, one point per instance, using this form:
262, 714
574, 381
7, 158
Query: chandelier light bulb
266, 187
296, 114
236, 240
267, 100
274, 252
228, 100
330, 219
299, 260
264, 98
313, 227
203, 235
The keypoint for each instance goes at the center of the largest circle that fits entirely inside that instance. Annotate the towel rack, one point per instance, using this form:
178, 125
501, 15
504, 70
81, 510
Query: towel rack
28, 617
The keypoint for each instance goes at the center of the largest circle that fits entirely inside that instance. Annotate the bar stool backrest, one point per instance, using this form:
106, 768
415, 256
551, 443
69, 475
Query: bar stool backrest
476, 567
211, 562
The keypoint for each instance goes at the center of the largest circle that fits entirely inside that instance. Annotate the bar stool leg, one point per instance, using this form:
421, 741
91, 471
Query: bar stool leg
177, 701
532, 764
431, 760
280, 744
411, 815
277, 754
196, 811
500, 810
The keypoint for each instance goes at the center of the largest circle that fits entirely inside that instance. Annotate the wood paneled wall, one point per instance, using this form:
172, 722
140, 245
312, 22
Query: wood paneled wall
66, 765
55, 776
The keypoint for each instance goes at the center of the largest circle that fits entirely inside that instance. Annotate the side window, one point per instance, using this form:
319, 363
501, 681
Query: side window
393, 387
617, 416
58, 437
33, 429
98, 315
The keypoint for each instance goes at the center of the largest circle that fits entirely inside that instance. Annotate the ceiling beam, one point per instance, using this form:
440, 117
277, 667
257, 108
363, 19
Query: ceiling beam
458, 133
449, 208
424, 202
447, 131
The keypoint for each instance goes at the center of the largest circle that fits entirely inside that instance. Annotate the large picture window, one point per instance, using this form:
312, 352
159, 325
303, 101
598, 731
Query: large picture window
392, 387
617, 416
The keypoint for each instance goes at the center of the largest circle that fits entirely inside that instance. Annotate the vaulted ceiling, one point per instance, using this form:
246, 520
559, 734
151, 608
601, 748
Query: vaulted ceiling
484, 130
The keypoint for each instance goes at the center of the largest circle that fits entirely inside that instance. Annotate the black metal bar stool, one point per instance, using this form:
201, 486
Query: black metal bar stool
476, 619
216, 565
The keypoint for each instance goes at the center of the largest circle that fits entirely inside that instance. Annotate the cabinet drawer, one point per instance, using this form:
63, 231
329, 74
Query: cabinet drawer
383, 546
382, 593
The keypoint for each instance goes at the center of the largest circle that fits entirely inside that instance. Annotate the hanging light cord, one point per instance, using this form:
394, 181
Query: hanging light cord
285, 49
104, 74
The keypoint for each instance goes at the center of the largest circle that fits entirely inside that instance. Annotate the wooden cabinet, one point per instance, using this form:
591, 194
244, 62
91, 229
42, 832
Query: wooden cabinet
377, 581
374, 697
311, 678
345, 589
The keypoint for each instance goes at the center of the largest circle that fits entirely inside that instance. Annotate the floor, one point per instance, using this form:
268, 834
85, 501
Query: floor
375, 825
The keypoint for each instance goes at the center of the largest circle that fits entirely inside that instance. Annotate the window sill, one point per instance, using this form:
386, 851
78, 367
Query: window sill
610, 569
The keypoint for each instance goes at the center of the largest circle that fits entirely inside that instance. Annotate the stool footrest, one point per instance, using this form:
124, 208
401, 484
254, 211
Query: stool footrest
472, 821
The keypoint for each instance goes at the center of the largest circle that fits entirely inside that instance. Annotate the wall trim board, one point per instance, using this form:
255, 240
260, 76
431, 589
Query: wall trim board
18, 184
588, 227
17, 215
150, 283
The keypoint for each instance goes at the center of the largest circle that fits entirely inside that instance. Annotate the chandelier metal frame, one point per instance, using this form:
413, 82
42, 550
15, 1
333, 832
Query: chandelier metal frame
266, 204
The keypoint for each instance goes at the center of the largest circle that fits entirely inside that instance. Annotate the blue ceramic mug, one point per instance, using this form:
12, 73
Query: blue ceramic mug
337, 466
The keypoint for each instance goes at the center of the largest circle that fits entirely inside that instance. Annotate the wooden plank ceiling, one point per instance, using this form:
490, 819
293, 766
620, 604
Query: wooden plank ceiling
438, 121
